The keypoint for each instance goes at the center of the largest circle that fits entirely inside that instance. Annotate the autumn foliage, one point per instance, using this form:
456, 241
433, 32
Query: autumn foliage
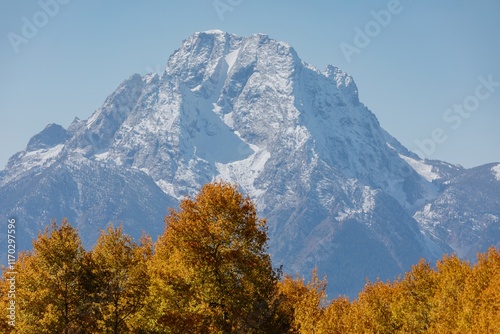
210, 273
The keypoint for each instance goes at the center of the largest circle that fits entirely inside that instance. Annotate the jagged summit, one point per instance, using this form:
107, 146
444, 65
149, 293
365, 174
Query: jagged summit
338, 191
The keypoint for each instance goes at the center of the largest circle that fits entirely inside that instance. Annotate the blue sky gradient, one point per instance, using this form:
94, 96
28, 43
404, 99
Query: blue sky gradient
413, 69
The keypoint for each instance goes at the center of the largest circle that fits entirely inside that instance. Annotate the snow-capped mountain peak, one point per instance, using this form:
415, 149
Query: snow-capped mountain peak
247, 110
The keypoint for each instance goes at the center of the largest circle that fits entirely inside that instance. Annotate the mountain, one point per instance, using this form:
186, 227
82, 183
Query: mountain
338, 191
466, 213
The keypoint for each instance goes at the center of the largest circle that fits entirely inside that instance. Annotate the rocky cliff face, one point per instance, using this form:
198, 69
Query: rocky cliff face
338, 191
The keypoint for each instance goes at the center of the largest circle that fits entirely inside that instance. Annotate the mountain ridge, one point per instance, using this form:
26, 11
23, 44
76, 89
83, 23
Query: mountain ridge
296, 139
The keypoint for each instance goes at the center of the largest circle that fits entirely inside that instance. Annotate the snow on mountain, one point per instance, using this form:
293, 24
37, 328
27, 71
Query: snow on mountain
496, 172
338, 191
466, 213
426, 171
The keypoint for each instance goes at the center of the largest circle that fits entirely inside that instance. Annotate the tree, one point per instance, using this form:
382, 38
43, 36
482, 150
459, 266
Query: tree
304, 303
121, 279
337, 317
50, 291
484, 287
448, 302
210, 271
375, 307
414, 300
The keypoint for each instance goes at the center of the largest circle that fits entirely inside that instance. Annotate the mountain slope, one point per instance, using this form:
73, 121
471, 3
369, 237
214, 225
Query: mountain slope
466, 214
338, 191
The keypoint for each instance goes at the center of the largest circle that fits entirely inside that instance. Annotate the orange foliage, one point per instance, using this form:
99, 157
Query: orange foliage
210, 273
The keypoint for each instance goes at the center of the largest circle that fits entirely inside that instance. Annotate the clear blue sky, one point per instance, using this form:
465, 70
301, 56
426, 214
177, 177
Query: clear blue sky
419, 63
